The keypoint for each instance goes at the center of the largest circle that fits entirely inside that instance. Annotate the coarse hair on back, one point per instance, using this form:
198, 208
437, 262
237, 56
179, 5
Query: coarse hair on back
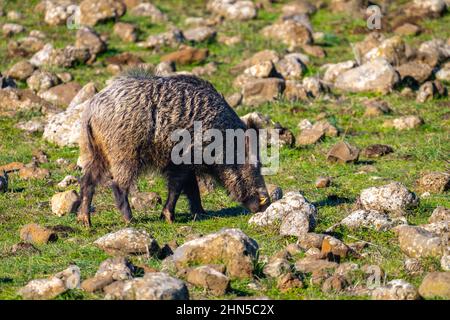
139, 72
143, 72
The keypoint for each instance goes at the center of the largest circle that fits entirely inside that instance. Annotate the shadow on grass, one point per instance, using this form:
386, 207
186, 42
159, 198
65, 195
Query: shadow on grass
332, 201
227, 212
6, 280
185, 217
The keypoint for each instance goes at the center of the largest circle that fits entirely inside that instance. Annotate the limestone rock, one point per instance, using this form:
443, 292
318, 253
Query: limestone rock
127, 32
228, 246
95, 11
65, 202
440, 214
64, 128
393, 198
436, 284
187, 55
277, 267
200, 34
29, 173
240, 10
43, 289
435, 182
147, 9
332, 71
145, 200
87, 38
209, 278
62, 94
368, 219
128, 241
71, 277
293, 214
309, 265
289, 32
21, 70
405, 122
34, 233
396, 290
417, 242
343, 152
42, 80
260, 91
153, 286
375, 76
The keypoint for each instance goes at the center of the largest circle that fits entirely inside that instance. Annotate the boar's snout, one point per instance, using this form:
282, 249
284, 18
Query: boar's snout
257, 203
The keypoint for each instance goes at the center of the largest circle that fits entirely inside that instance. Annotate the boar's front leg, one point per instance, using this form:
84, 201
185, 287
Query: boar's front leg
193, 194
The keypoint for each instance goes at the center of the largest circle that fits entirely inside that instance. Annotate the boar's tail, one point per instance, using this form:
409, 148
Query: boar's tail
97, 163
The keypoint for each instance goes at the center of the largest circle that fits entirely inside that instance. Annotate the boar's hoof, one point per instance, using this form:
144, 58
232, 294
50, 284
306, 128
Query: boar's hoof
128, 220
168, 216
85, 220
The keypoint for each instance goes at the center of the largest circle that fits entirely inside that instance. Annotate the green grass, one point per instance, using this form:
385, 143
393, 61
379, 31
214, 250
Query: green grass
416, 151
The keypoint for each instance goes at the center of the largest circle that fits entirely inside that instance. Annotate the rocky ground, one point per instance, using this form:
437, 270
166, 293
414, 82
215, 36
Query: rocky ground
360, 202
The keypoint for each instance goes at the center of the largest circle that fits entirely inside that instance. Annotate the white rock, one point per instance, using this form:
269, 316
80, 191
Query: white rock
435, 6
260, 70
416, 242
119, 268
43, 56
12, 28
393, 198
445, 262
64, 202
333, 70
233, 9
128, 241
294, 214
64, 128
369, 219
231, 247
396, 290
67, 181
71, 277
444, 73
276, 268
153, 286
43, 289
375, 76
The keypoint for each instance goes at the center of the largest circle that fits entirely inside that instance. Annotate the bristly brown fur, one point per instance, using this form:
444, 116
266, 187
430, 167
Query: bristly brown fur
126, 128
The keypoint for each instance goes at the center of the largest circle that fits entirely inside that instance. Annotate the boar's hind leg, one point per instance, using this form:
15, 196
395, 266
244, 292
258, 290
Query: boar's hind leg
121, 197
87, 191
193, 194
176, 178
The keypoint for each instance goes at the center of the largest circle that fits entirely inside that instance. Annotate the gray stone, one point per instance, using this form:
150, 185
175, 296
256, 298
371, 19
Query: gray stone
153, 286
229, 246
374, 76
436, 284
417, 242
43, 289
293, 215
128, 241
396, 290
393, 198
64, 128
